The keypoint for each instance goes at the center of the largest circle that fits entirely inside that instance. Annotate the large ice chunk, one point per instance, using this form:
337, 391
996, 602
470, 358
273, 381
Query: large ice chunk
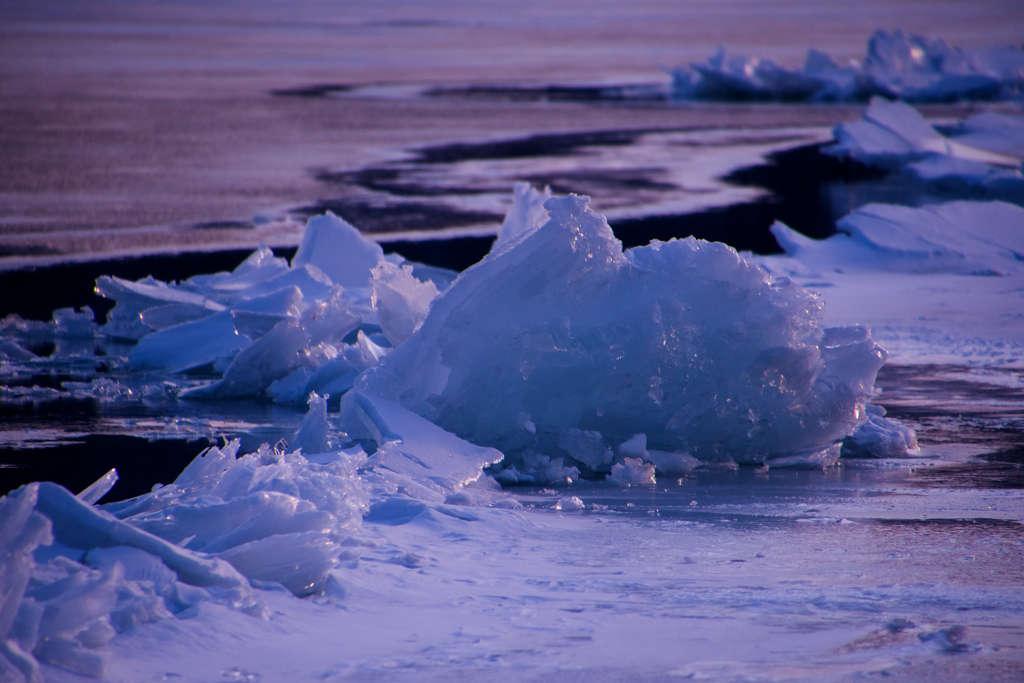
683, 341
980, 238
907, 67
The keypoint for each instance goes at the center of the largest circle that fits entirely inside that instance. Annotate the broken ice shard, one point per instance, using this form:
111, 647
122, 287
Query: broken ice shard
683, 341
409, 445
339, 250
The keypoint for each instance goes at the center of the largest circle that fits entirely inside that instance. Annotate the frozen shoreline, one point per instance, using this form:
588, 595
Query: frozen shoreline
414, 566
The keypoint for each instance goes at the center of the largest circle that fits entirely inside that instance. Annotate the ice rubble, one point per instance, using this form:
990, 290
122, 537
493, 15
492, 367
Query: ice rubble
985, 150
226, 524
571, 356
557, 349
898, 66
559, 337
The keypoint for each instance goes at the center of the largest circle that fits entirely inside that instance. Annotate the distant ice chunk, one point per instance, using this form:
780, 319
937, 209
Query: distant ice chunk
665, 463
586, 447
967, 238
632, 471
339, 250
80, 324
735, 77
986, 150
537, 468
569, 504
683, 341
925, 69
672, 464
912, 68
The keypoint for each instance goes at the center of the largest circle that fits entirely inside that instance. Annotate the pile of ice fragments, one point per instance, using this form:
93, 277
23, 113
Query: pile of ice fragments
984, 151
897, 66
556, 349
559, 356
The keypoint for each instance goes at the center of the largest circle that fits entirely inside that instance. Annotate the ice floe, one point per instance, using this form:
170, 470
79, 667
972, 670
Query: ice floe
985, 150
966, 238
898, 66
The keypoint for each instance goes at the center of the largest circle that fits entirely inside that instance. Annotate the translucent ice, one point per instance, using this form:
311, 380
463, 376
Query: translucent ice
273, 516
312, 436
401, 301
410, 445
339, 250
291, 344
880, 437
190, 345
683, 341
526, 214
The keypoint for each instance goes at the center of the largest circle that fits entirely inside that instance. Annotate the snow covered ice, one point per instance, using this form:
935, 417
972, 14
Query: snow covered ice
985, 150
931, 239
